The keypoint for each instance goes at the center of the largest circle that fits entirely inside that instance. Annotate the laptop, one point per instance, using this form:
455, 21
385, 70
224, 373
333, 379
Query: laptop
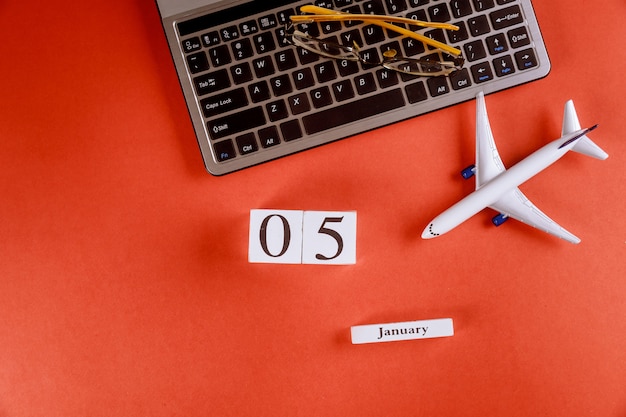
254, 96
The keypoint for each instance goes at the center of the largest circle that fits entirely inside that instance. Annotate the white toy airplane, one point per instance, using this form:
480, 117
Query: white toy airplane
496, 187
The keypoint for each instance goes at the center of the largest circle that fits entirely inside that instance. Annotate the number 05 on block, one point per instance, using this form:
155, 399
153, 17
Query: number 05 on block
309, 237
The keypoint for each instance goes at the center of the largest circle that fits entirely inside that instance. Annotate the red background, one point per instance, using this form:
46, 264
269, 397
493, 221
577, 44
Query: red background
124, 282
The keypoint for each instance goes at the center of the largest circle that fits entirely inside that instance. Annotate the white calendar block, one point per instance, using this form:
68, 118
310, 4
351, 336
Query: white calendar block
309, 237
329, 237
275, 236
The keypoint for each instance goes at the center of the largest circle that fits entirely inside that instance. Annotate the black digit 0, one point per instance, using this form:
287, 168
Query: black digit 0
332, 233
286, 235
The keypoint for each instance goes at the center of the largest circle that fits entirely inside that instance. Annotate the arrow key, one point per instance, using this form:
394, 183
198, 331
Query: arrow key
497, 44
482, 72
504, 66
526, 59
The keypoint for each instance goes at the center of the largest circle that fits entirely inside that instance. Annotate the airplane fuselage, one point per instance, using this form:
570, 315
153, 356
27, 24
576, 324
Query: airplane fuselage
493, 190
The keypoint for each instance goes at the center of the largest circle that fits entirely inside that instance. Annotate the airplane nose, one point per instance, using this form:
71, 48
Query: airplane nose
428, 232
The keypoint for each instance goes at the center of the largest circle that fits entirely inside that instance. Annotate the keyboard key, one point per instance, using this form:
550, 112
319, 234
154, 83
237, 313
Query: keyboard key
478, 25
417, 15
236, 123
247, 144
460, 8
395, 45
412, 47
343, 3
396, 6
504, 66
438, 86
211, 82
475, 51
373, 7
373, 34
230, 33
197, 62
224, 102
330, 27
277, 110
320, 97
220, 55
303, 78
370, 55
224, 150
264, 42
299, 104
519, 37
291, 130
506, 17
387, 78
269, 137
281, 35
325, 71
307, 57
343, 90
416, 92
283, 16
482, 5
259, 91
460, 79
350, 37
496, 44
365, 84
439, 13
191, 45
354, 9
248, 28
241, 73
242, 49
263, 67
281, 85
482, 72
347, 67
526, 59
211, 38
353, 111
326, 4
436, 34
268, 22
286, 60
457, 36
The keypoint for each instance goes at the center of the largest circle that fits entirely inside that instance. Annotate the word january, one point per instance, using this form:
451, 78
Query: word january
396, 332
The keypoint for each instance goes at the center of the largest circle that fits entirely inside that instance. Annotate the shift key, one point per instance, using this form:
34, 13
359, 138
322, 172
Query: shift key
236, 122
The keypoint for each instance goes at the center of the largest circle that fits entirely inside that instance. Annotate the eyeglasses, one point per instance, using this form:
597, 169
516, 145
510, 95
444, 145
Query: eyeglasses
419, 67
391, 60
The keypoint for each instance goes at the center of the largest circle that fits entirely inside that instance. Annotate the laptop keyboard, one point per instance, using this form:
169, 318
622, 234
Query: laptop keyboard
254, 97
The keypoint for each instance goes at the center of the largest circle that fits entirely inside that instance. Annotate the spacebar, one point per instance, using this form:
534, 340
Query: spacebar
351, 112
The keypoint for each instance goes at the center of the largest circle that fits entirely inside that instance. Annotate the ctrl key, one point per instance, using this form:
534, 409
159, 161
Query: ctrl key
224, 150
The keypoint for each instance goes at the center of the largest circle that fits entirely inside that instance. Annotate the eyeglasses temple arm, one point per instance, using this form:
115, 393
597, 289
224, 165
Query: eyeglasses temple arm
376, 20
328, 14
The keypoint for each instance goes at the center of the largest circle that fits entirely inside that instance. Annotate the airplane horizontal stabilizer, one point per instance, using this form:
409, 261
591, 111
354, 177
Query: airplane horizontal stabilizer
587, 147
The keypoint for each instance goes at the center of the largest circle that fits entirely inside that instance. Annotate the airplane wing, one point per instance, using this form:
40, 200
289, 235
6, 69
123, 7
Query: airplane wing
516, 205
488, 162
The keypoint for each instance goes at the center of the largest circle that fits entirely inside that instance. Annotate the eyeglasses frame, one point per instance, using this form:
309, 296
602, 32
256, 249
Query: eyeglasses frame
389, 57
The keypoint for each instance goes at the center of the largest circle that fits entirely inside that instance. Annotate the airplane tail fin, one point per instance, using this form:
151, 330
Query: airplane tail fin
584, 145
